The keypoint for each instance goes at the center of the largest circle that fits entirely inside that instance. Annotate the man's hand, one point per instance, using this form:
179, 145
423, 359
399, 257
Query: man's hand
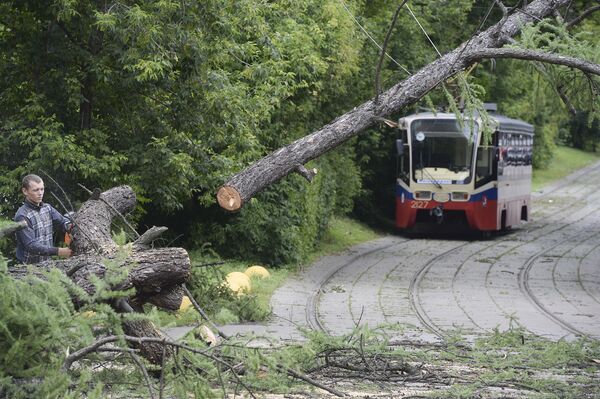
64, 252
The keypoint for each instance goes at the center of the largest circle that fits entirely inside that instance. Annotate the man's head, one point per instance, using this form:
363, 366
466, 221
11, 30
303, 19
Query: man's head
33, 188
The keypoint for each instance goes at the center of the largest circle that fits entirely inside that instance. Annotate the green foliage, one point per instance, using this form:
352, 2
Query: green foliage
174, 97
37, 330
581, 91
584, 131
207, 285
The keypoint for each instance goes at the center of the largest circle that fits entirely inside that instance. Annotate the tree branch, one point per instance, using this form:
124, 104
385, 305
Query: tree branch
137, 361
309, 175
80, 354
582, 16
203, 313
384, 49
12, 227
146, 239
534, 55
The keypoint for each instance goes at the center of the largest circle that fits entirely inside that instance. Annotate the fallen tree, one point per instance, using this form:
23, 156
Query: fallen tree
247, 183
154, 275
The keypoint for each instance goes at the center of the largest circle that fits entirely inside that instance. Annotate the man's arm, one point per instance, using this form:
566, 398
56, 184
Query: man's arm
64, 224
59, 221
26, 237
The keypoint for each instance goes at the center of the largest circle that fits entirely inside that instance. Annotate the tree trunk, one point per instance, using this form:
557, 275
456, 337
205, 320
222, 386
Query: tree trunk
246, 184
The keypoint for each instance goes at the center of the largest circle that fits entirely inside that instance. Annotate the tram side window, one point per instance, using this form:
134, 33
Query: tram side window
484, 166
404, 161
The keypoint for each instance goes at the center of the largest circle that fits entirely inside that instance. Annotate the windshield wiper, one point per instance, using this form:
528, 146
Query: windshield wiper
435, 182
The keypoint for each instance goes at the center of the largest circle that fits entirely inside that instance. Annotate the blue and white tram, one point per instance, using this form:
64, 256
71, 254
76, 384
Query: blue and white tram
446, 170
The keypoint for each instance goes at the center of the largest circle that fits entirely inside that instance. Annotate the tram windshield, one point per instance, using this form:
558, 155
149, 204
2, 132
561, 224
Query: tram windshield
442, 151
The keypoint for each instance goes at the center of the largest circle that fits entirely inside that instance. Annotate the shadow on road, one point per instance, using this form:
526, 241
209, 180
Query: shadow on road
453, 231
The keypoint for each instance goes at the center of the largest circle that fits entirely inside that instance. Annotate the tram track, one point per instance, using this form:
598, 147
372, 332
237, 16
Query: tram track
580, 280
414, 298
437, 330
524, 283
312, 311
551, 214
523, 276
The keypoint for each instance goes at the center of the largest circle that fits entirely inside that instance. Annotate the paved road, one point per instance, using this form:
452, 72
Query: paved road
543, 276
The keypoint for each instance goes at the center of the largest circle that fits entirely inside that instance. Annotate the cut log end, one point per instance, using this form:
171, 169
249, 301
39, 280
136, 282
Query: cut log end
229, 198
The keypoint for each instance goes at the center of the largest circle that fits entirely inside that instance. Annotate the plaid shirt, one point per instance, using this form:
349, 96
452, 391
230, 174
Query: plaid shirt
35, 243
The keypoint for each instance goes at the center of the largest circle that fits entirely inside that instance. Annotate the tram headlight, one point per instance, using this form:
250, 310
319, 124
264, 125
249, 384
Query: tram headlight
423, 195
459, 196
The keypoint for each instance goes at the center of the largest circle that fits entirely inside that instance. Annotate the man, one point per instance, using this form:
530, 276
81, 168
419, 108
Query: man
35, 242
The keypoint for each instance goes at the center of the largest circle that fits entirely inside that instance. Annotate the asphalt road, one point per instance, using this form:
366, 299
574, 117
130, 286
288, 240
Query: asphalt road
543, 277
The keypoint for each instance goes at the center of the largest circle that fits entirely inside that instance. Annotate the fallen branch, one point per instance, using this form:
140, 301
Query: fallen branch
221, 333
309, 380
145, 240
137, 361
12, 227
582, 16
82, 353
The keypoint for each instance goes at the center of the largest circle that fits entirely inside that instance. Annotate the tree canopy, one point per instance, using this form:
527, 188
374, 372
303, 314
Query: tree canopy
173, 97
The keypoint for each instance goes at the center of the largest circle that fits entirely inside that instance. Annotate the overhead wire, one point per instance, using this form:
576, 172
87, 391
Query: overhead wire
373, 40
423, 29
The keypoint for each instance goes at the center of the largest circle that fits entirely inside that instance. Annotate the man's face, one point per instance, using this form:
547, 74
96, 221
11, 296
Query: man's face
35, 192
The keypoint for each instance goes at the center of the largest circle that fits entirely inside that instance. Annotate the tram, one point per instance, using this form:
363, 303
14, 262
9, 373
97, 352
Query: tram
447, 171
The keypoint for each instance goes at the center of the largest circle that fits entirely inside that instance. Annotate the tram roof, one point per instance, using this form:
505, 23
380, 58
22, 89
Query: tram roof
505, 123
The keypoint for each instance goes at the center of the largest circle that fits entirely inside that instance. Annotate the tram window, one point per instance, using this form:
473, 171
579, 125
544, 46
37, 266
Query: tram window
484, 166
404, 162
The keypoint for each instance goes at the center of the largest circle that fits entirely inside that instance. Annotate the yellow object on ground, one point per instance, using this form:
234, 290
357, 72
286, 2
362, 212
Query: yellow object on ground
88, 314
238, 282
257, 271
205, 333
185, 303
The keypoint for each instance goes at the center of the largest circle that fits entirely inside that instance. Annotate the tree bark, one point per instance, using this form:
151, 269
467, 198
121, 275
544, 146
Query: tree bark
92, 231
246, 184
150, 350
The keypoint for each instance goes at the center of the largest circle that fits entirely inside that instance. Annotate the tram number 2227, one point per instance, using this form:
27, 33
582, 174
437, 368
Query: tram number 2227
419, 204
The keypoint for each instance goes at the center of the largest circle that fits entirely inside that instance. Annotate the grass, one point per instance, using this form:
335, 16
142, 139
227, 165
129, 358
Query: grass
225, 308
566, 160
343, 233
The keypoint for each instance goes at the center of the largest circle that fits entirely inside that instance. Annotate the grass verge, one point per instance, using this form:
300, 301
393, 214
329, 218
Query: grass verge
566, 160
224, 307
